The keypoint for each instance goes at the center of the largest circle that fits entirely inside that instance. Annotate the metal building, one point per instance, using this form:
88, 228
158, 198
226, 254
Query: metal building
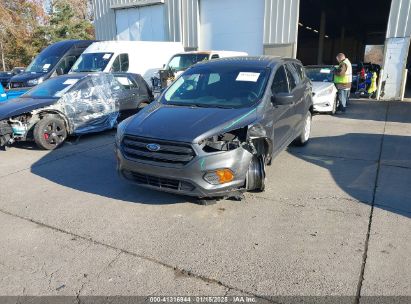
256, 26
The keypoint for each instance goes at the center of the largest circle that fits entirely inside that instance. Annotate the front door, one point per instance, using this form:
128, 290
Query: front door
282, 115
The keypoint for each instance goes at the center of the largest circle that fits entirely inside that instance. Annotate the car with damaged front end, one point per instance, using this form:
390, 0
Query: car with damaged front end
73, 104
216, 128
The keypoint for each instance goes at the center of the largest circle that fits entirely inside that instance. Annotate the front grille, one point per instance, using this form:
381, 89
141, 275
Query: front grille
158, 182
172, 153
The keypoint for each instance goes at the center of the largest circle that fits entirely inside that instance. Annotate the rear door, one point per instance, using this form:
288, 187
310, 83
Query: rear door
304, 91
297, 88
128, 96
282, 115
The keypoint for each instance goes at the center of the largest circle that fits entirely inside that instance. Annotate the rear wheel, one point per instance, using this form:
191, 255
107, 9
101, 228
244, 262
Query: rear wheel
304, 137
50, 132
255, 180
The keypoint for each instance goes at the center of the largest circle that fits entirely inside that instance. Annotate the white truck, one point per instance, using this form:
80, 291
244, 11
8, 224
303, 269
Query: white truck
140, 57
180, 62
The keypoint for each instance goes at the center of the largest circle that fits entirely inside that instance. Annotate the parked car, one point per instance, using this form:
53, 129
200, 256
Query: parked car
54, 60
180, 62
10, 94
141, 57
324, 90
7, 75
214, 130
70, 104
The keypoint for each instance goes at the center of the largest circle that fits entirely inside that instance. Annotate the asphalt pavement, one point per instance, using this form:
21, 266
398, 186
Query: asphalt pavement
335, 220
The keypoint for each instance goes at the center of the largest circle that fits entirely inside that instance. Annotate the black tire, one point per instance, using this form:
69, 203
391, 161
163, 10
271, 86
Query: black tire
304, 136
50, 133
255, 180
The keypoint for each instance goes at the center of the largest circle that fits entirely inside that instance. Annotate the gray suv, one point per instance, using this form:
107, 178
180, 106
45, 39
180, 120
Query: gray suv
216, 128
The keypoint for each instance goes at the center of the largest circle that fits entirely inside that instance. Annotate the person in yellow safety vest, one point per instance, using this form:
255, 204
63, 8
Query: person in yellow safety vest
373, 87
343, 80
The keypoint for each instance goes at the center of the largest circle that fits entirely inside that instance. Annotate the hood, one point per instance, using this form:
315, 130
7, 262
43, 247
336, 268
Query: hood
25, 76
187, 124
319, 86
20, 106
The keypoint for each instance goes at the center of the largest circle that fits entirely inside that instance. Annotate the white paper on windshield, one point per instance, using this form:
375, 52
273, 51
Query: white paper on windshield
248, 76
106, 56
46, 66
325, 71
70, 81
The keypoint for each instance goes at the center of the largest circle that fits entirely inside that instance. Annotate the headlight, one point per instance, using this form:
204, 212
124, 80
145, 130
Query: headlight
121, 129
36, 81
218, 177
326, 92
224, 142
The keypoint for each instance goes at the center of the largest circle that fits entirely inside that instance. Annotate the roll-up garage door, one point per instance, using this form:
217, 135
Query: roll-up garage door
142, 24
233, 25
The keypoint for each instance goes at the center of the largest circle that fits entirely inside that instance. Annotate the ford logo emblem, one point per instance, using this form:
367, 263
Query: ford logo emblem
153, 147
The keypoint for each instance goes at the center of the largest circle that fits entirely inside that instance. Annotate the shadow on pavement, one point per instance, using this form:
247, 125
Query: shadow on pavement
88, 165
337, 153
370, 109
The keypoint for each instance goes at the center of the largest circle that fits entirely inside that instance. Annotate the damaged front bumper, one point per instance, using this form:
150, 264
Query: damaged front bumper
189, 179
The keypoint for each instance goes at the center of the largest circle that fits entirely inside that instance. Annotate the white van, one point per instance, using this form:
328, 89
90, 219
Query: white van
141, 57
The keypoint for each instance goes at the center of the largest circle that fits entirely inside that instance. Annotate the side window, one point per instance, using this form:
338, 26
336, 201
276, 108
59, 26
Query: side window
213, 78
215, 56
126, 82
280, 84
120, 64
292, 81
300, 70
66, 63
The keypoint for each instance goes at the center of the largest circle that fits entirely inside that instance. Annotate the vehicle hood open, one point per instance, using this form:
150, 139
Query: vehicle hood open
20, 106
187, 124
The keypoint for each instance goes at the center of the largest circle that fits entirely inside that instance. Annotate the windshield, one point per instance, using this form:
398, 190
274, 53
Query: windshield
221, 86
52, 88
183, 61
47, 59
320, 74
92, 62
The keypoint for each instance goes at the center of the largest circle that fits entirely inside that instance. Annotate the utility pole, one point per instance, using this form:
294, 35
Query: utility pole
321, 38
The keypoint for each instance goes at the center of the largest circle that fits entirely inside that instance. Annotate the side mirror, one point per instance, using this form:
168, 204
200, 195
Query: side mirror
164, 65
282, 99
59, 71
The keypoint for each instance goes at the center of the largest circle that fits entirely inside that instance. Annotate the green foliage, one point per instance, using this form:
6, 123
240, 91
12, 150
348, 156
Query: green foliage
26, 29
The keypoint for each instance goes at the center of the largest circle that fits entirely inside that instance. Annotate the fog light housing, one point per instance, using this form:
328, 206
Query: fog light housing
218, 177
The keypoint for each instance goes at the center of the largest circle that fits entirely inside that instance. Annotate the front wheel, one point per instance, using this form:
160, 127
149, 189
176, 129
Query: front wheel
304, 137
255, 180
50, 132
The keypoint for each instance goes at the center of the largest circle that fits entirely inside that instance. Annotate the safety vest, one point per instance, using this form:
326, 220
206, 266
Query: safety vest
347, 78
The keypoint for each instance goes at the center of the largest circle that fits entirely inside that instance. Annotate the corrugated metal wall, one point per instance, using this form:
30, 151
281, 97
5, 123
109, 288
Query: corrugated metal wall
104, 20
281, 21
399, 24
189, 22
181, 19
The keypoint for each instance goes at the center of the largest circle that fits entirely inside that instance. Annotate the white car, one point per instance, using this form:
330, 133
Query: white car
324, 90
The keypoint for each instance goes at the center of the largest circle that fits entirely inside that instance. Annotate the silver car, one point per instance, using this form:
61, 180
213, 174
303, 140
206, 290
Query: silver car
216, 128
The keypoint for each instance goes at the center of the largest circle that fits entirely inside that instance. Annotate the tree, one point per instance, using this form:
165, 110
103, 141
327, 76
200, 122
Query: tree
68, 20
26, 27
18, 21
